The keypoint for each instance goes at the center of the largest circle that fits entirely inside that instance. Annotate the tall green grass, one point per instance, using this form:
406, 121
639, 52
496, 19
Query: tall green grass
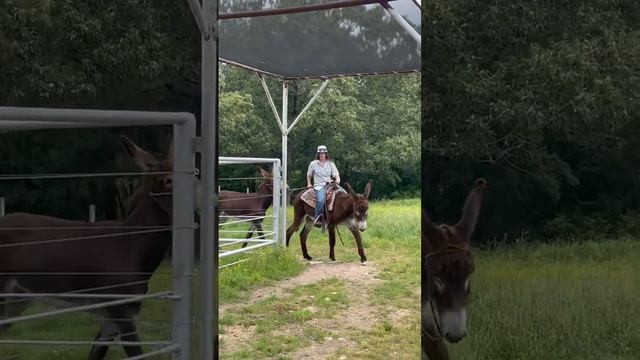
555, 301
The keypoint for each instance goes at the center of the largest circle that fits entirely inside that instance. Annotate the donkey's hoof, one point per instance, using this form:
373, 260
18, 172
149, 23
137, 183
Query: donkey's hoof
308, 258
364, 263
333, 258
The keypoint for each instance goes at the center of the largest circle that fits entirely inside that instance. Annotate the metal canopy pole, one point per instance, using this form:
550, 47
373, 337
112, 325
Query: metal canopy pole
208, 132
400, 20
313, 99
284, 130
273, 106
182, 259
285, 189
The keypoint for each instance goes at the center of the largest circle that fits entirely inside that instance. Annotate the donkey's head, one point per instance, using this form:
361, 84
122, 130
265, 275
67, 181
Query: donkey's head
266, 186
360, 204
449, 265
156, 186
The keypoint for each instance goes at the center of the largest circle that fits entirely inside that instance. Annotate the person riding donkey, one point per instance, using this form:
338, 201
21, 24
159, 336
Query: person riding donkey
321, 172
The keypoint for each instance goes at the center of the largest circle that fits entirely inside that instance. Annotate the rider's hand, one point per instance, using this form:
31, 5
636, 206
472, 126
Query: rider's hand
309, 186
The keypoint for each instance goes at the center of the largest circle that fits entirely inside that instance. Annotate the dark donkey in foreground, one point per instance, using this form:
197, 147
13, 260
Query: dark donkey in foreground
351, 209
234, 203
445, 286
67, 266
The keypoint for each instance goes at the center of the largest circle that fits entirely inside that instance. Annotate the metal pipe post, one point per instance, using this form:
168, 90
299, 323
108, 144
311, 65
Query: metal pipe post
284, 189
276, 201
109, 118
209, 219
2, 206
92, 213
182, 257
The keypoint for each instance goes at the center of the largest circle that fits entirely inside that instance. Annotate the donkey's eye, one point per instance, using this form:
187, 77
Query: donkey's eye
167, 182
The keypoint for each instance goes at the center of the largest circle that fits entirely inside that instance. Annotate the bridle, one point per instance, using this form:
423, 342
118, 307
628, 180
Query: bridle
449, 249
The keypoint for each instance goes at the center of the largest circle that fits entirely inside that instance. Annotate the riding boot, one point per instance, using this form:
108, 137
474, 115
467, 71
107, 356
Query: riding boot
325, 220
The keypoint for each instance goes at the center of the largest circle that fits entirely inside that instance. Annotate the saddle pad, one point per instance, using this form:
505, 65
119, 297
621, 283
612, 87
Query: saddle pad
309, 197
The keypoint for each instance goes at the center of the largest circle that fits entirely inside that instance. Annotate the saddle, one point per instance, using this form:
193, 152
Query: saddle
309, 197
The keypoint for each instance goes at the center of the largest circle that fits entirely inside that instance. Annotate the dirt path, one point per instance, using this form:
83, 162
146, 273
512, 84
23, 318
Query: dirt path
315, 271
362, 315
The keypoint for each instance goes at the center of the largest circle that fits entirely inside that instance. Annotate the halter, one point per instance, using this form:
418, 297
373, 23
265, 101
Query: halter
451, 248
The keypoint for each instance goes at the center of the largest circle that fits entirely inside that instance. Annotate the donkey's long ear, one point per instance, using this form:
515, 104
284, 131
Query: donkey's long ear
433, 234
350, 190
471, 210
367, 189
143, 159
264, 173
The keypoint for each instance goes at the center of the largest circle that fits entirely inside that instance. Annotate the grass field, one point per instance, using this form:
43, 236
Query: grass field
342, 310
296, 319
555, 301
530, 301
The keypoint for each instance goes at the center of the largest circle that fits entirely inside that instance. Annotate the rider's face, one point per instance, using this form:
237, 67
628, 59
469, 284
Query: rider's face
322, 155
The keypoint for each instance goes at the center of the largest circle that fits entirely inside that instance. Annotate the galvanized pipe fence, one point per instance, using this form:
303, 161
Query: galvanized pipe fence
272, 237
181, 341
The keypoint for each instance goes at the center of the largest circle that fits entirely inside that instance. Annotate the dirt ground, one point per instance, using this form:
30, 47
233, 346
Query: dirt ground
358, 281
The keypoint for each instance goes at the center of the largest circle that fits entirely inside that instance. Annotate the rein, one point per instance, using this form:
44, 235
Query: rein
451, 248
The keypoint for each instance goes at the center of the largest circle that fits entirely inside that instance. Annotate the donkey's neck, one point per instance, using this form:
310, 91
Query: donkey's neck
265, 201
151, 247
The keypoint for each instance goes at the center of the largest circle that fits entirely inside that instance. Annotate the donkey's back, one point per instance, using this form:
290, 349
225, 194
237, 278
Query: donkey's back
48, 254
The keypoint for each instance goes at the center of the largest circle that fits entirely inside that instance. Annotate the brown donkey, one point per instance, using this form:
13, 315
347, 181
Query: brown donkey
350, 209
447, 266
233, 203
29, 244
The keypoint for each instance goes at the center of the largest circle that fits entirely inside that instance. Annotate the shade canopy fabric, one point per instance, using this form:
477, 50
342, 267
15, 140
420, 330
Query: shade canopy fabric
348, 40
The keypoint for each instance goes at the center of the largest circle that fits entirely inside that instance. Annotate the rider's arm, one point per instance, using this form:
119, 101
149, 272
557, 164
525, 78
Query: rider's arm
335, 173
310, 175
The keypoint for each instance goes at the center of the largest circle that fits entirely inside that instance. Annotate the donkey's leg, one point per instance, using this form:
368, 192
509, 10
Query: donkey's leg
128, 332
297, 219
252, 227
257, 227
356, 235
108, 332
332, 242
12, 307
303, 238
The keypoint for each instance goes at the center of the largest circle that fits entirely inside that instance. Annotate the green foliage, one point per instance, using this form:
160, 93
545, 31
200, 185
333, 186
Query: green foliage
541, 99
370, 135
145, 55
102, 54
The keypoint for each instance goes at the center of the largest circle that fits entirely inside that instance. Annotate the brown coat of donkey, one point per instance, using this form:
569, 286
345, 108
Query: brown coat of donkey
447, 267
255, 204
350, 209
62, 255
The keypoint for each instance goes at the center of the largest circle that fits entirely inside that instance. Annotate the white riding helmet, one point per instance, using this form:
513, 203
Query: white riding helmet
322, 149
